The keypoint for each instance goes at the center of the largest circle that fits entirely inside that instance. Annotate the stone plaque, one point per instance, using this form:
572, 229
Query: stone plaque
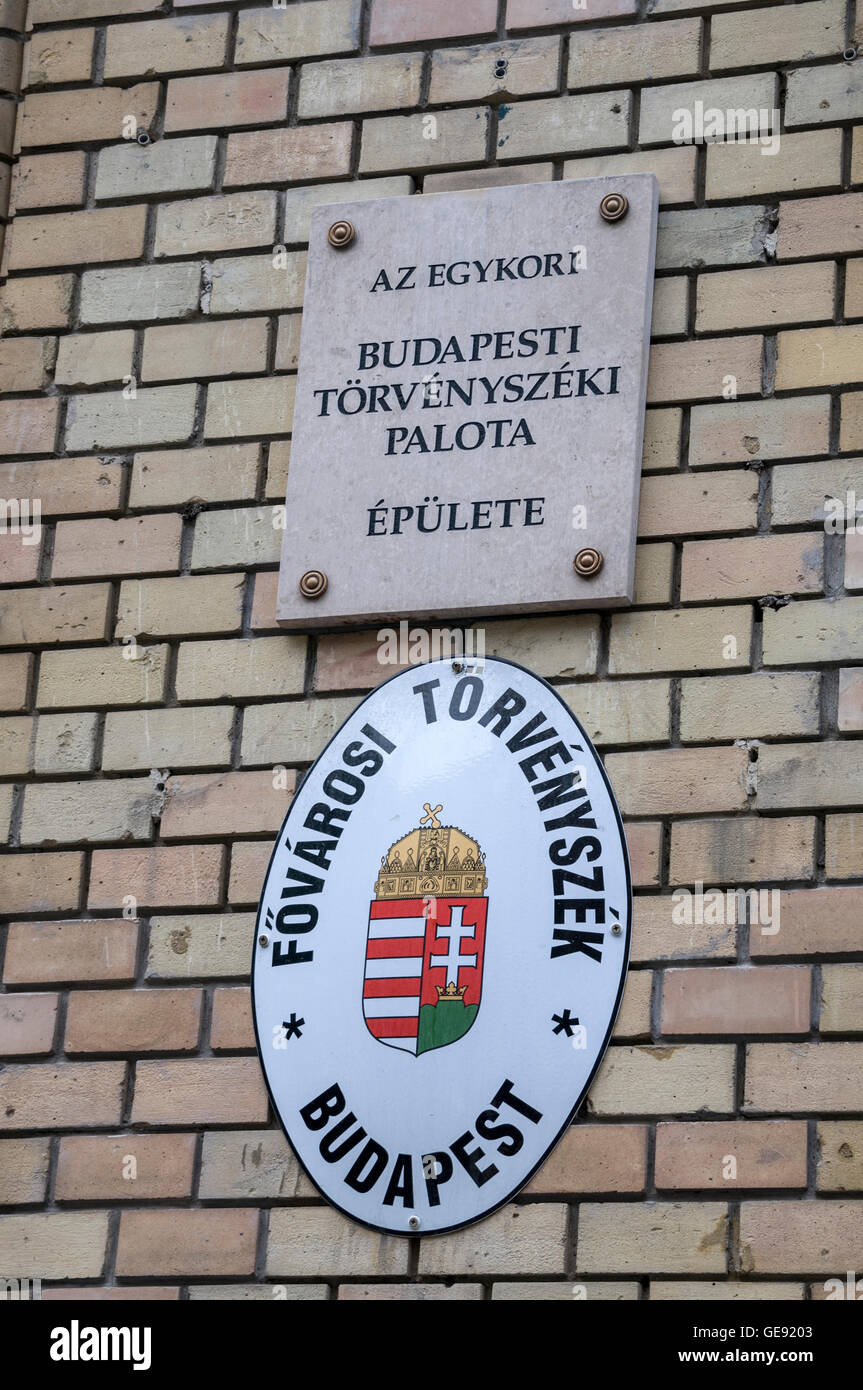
470, 404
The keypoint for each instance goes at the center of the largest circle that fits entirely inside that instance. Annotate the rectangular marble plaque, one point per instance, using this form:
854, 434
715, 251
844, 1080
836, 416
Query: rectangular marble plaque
470, 404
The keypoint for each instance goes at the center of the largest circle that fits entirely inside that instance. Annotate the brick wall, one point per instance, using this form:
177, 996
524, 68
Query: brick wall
146, 377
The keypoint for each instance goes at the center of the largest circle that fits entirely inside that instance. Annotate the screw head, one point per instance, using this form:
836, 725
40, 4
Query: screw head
313, 584
341, 234
263, 941
588, 562
414, 1223
613, 207
143, 136
616, 929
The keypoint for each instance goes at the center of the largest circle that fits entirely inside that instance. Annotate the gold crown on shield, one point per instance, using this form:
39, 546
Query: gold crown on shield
432, 860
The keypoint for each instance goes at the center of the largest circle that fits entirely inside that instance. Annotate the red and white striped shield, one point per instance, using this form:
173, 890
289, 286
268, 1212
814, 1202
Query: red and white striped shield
423, 970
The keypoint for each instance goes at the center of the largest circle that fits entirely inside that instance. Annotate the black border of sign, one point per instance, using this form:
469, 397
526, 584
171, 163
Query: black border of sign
496, 1206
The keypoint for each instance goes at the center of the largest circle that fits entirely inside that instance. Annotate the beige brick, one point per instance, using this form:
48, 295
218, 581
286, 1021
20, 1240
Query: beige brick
857, 157
658, 1080
40, 882
27, 1024
524, 14
94, 359
205, 349
410, 1293
820, 357
185, 164
635, 53
15, 671
100, 546
799, 491
164, 45
28, 426
802, 1076
140, 292
176, 477
747, 999
61, 11
50, 180
595, 1158
55, 1245
248, 868
40, 953
6, 793
73, 1094
159, 876
207, 1090
745, 850
820, 226
844, 835
289, 154
605, 1290
767, 1153
160, 1293
836, 94
104, 420
96, 1167
737, 432
705, 639
187, 605
681, 505
850, 699
58, 812
614, 712
35, 616
23, 1171
679, 781
50, 118
468, 74
550, 646
823, 921
291, 733
629, 1237
402, 142
813, 30
660, 105
812, 159
694, 239
176, 1242
207, 945
234, 803
19, 562
241, 668
240, 1165
360, 84
800, 775
514, 1240
136, 740
760, 705
256, 1293
36, 302
829, 630
319, 1241
454, 180
65, 743
226, 222
247, 284
683, 371
62, 55
300, 203
725, 1291
840, 1158
770, 295
300, 31
564, 125
670, 307
674, 169
65, 486
251, 407
634, 1018
141, 1020
662, 436
854, 288
102, 676
243, 537
239, 98
644, 842
842, 999
800, 1237
231, 1026
749, 568
851, 430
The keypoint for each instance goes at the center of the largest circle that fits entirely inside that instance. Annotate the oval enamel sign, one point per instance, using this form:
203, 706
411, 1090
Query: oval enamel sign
441, 945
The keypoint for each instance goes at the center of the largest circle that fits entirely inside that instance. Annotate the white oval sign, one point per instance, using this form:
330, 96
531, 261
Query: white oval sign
441, 945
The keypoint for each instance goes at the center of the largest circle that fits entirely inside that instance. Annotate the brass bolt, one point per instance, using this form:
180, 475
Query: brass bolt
263, 941
313, 584
588, 562
341, 234
613, 207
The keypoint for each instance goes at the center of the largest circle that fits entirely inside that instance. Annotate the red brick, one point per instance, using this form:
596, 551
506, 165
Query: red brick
248, 867
28, 426
120, 1293
207, 1242
140, 1020
595, 1158
813, 921
739, 999
27, 1024
769, 1153
406, 21
528, 14
239, 98
162, 876
96, 1168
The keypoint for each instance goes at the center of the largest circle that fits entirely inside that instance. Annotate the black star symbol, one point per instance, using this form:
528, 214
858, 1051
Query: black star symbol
293, 1029
565, 1023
